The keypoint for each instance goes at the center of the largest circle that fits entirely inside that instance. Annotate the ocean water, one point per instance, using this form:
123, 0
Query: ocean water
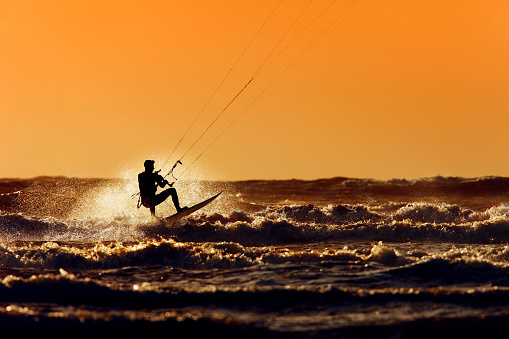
331, 258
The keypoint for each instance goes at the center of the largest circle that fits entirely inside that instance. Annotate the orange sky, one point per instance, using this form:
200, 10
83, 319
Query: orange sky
394, 89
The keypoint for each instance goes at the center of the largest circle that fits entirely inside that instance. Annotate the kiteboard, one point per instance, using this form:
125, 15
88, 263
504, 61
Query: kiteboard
177, 216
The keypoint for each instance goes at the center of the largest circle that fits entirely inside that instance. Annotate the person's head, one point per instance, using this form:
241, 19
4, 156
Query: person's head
149, 165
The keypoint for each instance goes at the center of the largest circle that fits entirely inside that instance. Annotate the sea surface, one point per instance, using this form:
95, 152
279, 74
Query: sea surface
330, 258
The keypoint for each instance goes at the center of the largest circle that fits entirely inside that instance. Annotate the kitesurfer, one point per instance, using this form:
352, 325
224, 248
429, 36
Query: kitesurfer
148, 182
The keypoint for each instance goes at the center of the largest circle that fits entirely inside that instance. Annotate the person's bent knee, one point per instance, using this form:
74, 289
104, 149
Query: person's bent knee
171, 191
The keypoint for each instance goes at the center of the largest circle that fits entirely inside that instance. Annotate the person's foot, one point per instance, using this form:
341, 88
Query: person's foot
182, 209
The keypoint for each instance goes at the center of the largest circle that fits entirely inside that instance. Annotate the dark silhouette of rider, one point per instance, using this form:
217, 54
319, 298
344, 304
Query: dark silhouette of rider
148, 182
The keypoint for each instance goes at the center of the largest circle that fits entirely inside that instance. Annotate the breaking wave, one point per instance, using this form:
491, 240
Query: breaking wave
280, 225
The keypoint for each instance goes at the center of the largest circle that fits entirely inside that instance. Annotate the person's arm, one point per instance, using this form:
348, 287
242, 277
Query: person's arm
162, 182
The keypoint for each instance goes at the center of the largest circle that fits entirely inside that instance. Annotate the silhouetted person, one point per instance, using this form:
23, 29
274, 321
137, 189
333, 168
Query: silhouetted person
148, 182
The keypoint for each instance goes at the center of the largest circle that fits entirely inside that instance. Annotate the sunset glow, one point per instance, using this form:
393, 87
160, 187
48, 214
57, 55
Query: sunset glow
393, 89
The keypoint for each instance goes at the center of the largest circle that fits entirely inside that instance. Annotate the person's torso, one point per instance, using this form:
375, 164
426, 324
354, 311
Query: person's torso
147, 183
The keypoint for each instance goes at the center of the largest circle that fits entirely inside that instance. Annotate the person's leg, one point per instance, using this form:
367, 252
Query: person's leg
149, 203
165, 194
175, 199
